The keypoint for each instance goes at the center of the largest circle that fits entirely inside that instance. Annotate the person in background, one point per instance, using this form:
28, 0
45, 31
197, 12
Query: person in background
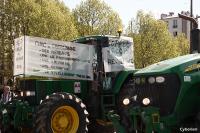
5, 97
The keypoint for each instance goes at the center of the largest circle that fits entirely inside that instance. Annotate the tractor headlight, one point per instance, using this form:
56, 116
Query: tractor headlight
146, 101
160, 79
126, 101
151, 80
27, 93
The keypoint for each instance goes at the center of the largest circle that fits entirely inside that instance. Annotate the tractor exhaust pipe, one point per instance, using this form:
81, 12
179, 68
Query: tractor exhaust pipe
195, 41
194, 34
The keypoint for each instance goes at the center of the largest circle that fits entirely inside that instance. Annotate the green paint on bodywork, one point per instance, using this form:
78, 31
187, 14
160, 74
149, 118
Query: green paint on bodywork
188, 99
171, 65
48, 87
150, 117
23, 114
18, 113
116, 121
187, 103
121, 78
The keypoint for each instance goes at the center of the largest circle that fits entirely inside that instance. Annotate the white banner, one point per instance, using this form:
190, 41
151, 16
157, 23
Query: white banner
19, 56
51, 58
36, 56
119, 54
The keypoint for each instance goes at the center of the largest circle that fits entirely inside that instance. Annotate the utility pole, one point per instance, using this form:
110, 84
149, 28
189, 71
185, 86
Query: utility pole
191, 24
191, 8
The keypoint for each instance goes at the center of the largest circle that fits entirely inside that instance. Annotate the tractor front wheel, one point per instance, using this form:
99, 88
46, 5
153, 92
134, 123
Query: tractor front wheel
61, 113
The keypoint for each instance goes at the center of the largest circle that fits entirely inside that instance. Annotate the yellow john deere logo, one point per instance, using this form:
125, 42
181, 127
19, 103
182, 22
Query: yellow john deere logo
192, 67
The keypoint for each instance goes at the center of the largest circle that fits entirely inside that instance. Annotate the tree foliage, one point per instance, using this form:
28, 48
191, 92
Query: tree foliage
96, 17
52, 19
153, 42
42, 18
182, 43
45, 18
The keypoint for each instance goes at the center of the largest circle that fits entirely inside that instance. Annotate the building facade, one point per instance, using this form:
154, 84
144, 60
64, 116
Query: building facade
177, 25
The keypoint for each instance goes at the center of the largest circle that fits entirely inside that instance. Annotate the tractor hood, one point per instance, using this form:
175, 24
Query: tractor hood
169, 65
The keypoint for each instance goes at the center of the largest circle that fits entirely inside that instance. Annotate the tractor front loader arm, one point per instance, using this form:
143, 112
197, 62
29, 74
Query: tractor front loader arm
115, 118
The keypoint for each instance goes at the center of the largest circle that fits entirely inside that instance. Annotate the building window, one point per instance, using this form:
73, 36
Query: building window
175, 25
175, 33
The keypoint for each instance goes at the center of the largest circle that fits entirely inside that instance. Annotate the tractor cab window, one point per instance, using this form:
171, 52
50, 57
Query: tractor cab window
122, 49
117, 52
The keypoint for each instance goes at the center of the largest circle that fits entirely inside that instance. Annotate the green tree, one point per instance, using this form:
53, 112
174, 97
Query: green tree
6, 35
153, 42
46, 18
96, 17
42, 18
182, 43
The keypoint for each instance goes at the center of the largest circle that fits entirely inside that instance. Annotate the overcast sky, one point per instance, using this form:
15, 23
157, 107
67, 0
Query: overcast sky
127, 9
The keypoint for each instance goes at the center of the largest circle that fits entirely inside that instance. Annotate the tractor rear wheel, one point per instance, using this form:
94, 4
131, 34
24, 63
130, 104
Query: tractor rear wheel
61, 113
126, 91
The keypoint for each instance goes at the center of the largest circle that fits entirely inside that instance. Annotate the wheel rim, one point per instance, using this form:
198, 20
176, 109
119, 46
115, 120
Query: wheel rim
65, 119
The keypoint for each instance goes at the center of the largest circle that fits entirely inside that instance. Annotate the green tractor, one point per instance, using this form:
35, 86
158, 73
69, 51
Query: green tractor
166, 96
61, 86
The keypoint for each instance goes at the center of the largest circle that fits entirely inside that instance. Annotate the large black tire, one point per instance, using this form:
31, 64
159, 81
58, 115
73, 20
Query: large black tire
126, 91
52, 103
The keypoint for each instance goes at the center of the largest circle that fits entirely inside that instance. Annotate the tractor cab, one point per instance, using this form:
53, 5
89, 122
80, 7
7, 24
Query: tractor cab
65, 81
115, 50
112, 58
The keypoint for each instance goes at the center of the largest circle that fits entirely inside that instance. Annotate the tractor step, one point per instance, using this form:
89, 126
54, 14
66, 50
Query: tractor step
107, 103
108, 100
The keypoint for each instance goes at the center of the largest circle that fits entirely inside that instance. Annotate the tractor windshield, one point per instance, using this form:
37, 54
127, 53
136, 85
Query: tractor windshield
122, 49
119, 54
